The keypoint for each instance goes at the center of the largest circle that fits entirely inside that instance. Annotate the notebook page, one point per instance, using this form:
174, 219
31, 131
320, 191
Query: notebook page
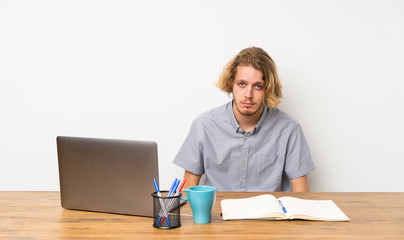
316, 209
251, 208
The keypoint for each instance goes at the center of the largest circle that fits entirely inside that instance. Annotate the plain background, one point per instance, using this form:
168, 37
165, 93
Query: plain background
144, 70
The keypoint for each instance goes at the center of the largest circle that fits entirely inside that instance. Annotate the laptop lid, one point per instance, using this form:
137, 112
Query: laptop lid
107, 175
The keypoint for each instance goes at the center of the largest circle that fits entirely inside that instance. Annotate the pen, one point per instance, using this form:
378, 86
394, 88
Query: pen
163, 207
177, 193
283, 208
173, 187
180, 187
160, 220
156, 186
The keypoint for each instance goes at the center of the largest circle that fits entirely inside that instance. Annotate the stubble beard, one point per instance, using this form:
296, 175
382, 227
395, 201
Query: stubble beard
248, 113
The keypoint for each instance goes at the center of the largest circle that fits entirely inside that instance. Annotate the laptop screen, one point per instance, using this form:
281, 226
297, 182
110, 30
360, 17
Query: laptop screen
107, 175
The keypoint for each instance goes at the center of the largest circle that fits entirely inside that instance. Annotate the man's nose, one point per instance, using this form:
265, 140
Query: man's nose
249, 92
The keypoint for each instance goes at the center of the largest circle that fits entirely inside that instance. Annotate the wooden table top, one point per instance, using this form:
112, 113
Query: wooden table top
38, 215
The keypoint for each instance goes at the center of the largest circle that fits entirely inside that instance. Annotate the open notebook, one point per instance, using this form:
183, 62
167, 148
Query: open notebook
266, 206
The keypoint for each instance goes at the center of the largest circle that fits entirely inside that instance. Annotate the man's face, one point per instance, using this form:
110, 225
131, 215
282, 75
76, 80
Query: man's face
248, 91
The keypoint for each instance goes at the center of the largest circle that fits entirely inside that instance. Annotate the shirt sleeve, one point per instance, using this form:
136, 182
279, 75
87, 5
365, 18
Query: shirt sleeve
298, 160
190, 156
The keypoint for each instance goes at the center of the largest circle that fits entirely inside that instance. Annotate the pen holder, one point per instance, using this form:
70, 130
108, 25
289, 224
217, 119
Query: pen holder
166, 210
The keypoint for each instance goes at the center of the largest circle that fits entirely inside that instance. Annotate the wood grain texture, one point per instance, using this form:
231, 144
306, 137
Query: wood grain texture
38, 215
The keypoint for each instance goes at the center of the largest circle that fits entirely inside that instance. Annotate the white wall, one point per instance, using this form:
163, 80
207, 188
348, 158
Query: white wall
145, 69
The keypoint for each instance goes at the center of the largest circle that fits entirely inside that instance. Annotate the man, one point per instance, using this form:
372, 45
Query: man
247, 144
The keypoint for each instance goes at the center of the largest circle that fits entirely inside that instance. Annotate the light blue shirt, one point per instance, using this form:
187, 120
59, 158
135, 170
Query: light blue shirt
264, 159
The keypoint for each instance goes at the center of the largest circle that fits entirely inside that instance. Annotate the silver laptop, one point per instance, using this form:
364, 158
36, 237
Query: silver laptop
106, 175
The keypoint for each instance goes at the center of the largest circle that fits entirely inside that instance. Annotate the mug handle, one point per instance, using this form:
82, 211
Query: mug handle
185, 199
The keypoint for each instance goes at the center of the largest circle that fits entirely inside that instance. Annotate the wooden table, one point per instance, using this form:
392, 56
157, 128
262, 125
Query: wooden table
38, 215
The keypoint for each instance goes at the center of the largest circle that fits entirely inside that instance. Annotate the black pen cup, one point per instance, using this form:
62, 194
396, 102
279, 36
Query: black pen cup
166, 210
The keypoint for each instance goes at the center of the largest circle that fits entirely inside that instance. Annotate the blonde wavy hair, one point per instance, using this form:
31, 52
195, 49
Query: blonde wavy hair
260, 60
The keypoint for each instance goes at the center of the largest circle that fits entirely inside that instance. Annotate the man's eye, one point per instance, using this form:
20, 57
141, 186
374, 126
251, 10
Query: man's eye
241, 84
258, 86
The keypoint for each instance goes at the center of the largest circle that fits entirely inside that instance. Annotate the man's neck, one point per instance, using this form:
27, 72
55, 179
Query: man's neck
247, 123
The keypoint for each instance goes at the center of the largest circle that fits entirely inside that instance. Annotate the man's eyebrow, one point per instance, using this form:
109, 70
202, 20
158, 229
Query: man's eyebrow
262, 82
259, 82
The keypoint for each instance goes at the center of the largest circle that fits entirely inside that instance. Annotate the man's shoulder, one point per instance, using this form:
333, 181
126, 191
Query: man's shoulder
280, 117
215, 114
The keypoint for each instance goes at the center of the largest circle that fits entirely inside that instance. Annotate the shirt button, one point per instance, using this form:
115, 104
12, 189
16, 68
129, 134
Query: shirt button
242, 182
245, 138
244, 160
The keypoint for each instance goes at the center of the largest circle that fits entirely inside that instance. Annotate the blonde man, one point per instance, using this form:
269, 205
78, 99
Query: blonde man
247, 144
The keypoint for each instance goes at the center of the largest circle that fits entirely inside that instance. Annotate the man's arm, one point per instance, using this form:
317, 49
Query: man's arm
300, 184
192, 179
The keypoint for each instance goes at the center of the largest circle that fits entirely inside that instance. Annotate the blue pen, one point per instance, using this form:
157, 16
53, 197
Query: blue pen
177, 182
156, 186
283, 208
177, 191
172, 189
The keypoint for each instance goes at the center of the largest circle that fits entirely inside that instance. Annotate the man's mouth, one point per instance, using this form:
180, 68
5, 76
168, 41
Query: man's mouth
247, 105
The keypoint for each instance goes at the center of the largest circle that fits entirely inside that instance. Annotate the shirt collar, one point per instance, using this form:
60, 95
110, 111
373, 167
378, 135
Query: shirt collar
234, 123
